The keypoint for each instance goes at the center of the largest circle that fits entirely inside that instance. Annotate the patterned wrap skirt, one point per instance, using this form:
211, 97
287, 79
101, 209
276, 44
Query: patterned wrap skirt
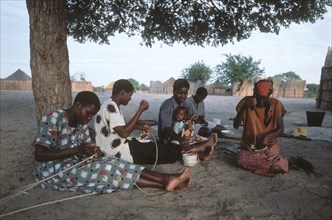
262, 162
103, 175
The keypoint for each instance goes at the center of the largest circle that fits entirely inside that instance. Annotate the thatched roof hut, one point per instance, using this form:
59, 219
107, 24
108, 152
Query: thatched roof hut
19, 80
324, 100
158, 87
109, 86
19, 75
216, 88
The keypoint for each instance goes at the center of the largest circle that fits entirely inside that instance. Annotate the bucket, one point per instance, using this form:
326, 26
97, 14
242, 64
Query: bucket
190, 159
315, 118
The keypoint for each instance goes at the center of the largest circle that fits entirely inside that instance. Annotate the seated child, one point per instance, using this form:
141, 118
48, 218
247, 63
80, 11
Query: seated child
182, 126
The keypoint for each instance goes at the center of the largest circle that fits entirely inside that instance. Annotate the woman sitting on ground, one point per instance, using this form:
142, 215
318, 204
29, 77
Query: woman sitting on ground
112, 132
63, 140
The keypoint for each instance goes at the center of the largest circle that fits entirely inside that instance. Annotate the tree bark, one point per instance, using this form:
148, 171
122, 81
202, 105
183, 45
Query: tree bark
49, 60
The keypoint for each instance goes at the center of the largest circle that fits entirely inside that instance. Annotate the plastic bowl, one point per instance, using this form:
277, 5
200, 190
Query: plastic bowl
227, 133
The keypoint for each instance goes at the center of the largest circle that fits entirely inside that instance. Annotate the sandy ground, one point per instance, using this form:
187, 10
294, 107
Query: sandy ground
219, 189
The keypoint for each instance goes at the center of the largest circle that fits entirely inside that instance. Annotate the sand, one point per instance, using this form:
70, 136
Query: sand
219, 190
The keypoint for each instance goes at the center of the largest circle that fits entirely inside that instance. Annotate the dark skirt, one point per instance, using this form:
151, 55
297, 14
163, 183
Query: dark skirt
145, 153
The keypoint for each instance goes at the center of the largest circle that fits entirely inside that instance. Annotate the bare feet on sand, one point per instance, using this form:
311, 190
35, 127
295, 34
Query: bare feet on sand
205, 149
179, 182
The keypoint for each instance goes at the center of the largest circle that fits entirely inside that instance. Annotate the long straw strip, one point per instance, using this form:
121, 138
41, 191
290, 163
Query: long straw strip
155, 142
26, 188
46, 203
30, 186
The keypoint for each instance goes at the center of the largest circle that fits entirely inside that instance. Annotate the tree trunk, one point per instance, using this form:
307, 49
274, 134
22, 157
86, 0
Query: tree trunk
235, 88
49, 61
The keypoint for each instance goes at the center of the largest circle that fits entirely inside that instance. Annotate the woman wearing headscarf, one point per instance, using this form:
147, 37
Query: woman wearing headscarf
262, 120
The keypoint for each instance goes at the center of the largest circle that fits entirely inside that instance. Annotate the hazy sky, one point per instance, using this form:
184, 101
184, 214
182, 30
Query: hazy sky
300, 48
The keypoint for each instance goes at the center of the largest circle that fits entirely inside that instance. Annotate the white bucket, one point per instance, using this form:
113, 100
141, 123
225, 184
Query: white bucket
190, 159
217, 121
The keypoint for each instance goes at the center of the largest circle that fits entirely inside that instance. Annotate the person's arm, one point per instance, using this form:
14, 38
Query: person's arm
238, 119
201, 120
124, 131
165, 119
275, 133
172, 134
247, 102
44, 154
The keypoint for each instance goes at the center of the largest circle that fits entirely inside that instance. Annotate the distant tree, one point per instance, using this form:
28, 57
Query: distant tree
312, 90
312, 87
167, 21
287, 76
99, 89
144, 87
135, 83
238, 68
82, 76
198, 71
72, 77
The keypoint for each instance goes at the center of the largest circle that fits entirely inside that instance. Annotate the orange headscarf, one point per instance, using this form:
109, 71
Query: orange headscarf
263, 88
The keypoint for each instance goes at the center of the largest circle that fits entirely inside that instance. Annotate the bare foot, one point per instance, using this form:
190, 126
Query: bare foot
184, 185
176, 180
211, 142
204, 156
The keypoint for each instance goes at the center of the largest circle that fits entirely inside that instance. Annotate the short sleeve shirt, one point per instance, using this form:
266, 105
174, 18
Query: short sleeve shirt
109, 117
198, 108
165, 115
253, 119
55, 133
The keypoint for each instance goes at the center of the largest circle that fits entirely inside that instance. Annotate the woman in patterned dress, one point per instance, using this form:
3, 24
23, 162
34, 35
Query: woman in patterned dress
63, 140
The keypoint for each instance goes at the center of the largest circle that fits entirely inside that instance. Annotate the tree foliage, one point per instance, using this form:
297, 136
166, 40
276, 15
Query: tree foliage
135, 83
290, 75
238, 68
198, 71
143, 87
99, 89
186, 21
312, 87
312, 90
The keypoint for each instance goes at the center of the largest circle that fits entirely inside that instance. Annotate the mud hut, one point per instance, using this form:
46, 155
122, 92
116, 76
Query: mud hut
78, 86
286, 89
216, 88
324, 100
19, 80
158, 87
109, 86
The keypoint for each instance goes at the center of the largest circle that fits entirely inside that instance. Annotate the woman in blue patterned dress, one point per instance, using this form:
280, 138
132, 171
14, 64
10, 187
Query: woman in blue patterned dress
63, 140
